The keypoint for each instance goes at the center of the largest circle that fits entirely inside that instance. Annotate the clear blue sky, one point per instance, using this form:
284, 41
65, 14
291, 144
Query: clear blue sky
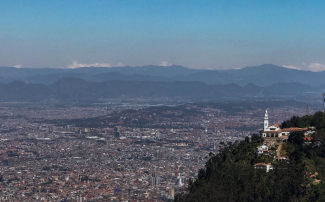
198, 34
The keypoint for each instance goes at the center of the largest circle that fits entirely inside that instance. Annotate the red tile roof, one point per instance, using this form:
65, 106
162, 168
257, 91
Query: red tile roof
307, 138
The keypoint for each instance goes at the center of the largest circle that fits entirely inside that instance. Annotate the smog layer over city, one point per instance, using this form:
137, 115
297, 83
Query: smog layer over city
128, 100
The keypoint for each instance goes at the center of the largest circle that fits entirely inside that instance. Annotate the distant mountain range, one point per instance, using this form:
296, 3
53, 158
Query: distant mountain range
74, 89
264, 75
95, 83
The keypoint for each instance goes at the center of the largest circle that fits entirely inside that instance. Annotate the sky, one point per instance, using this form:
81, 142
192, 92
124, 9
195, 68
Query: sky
197, 34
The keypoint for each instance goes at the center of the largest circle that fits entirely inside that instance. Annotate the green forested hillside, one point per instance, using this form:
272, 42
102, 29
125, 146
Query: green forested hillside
231, 176
317, 120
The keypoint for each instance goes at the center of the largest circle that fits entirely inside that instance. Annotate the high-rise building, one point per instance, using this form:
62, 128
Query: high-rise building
117, 131
6, 162
154, 179
180, 180
171, 192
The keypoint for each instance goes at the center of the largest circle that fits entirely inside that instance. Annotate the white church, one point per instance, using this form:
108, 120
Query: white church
274, 130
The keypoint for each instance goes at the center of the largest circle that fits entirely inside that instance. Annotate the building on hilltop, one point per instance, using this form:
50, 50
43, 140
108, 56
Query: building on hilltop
274, 130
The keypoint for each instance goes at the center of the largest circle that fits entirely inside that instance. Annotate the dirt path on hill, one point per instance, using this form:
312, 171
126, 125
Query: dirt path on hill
278, 151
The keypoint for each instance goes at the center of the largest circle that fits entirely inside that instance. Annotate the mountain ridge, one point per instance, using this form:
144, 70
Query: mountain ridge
263, 75
68, 88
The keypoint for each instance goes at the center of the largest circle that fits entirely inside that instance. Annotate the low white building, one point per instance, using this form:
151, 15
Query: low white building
263, 149
264, 166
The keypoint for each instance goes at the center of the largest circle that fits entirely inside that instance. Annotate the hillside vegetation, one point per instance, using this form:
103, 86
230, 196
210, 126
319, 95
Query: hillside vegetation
231, 176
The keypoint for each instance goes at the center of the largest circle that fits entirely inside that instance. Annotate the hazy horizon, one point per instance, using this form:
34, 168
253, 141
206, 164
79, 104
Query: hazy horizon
76, 65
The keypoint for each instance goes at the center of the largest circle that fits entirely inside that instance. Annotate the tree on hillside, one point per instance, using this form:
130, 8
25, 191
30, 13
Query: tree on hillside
319, 120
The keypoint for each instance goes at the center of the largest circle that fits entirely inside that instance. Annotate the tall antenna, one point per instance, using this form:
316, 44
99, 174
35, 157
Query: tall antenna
324, 102
307, 110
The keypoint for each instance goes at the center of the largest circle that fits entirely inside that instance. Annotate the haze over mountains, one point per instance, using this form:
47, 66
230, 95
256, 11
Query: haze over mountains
262, 75
93, 83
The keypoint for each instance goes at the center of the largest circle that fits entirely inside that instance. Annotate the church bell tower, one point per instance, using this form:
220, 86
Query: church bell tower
266, 121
